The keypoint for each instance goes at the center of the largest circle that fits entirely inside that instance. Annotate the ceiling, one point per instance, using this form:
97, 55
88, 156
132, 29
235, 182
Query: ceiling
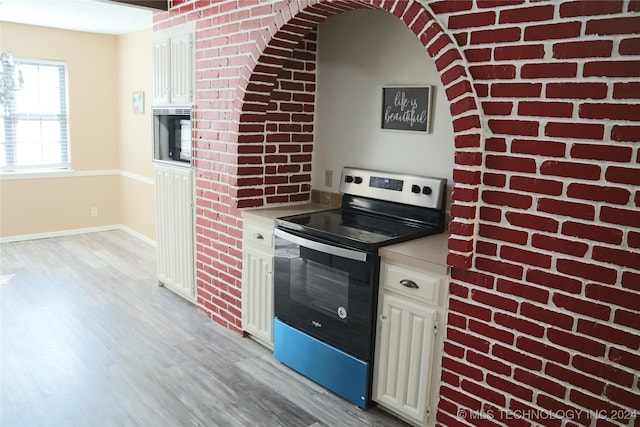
96, 16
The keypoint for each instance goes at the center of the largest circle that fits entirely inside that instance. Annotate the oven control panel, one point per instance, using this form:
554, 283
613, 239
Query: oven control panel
386, 183
393, 187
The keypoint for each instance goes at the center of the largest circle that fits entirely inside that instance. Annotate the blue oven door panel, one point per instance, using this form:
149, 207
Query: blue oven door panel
334, 369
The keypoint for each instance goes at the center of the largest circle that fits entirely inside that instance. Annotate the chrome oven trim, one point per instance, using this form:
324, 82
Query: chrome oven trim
322, 247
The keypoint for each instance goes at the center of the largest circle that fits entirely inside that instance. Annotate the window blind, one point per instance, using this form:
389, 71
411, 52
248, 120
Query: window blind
34, 125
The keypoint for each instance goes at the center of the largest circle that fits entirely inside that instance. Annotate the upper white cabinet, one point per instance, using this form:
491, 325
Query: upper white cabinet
173, 66
161, 68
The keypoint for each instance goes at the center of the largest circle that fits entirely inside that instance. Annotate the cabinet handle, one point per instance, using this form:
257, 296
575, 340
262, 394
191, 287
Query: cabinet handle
409, 284
258, 236
383, 317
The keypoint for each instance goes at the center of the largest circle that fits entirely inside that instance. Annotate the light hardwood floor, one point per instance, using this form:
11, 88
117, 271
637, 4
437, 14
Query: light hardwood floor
88, 338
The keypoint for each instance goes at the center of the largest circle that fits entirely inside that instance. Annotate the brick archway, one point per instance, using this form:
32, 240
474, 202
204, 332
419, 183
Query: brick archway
274, 156
559, 196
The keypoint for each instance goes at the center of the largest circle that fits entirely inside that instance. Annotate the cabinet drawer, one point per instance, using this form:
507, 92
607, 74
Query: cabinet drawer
258, 235
416, 284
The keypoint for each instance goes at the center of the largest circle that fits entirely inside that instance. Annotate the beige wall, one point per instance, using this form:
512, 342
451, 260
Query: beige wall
50, 205
98, 120
382, 51
137, 191
92, 69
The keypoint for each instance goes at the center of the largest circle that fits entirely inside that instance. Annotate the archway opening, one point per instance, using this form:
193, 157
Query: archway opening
275, 134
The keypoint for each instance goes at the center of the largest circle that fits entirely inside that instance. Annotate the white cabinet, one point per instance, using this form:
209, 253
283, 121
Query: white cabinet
161, 69
175, 242
257, 280
408, 315
173, 66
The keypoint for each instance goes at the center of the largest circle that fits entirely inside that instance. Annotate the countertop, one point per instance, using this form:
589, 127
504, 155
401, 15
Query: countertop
431, 250
271, 213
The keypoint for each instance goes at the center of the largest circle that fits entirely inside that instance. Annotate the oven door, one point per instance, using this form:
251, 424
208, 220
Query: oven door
326, 291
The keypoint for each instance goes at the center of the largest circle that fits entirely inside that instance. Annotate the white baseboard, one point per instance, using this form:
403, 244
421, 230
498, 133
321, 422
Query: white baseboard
36, 236
138, 235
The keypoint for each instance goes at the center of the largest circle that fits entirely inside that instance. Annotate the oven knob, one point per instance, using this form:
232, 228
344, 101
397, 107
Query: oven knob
348, 178
426, 190
415, 188
358, 180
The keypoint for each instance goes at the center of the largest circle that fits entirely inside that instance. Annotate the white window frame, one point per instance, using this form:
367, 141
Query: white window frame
10, 142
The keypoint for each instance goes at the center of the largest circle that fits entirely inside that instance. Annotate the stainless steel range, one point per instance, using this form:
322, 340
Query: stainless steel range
327, 271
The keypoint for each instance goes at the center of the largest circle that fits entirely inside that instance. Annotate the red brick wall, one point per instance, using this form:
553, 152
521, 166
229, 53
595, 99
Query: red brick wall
288, 129
544, 309
547, 323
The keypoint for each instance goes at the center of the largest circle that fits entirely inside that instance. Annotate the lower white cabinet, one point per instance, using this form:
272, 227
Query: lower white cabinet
405, 356
407, 327
175, 233
257, 280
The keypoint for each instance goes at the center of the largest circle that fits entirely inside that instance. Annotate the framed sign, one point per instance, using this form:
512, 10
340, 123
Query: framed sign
406, 108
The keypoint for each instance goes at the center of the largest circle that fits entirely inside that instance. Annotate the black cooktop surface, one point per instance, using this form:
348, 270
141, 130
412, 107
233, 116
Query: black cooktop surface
356, 229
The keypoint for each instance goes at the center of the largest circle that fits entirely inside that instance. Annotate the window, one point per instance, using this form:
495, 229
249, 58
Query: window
33, 129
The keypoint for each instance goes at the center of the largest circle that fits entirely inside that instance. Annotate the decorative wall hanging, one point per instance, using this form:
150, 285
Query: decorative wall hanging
138, 102
406, 108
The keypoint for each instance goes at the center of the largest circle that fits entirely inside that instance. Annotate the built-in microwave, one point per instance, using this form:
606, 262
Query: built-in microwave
172, 134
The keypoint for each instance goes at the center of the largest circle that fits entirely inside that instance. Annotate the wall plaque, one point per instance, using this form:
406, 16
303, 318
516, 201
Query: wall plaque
406, 108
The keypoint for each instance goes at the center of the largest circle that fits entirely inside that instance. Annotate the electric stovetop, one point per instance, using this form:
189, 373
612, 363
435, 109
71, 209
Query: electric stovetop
378, 209
356, 229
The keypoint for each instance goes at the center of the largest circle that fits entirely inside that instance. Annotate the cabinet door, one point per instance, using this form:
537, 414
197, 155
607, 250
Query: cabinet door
161, 77
163, 224
404, 353
181, 73
174, 196
257, 294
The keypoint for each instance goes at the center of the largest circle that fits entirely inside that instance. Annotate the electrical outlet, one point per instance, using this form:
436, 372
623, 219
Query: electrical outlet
94, 211
328, 178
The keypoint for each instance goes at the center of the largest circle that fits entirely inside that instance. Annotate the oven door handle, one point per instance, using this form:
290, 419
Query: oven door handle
322, 247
